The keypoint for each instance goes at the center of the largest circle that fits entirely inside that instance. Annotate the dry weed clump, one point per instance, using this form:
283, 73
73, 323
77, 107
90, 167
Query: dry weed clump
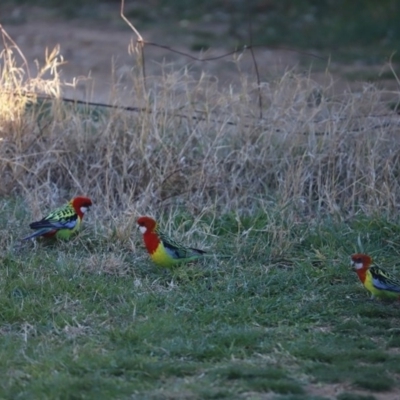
200, 147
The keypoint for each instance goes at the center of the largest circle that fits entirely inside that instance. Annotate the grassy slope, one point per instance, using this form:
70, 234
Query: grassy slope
92, 319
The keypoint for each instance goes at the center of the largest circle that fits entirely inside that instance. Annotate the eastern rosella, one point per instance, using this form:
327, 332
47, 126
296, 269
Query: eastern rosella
164, 251
380, 283
63, 222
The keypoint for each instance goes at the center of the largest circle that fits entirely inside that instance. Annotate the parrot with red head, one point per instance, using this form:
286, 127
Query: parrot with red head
163, 250
63, 222
377, 281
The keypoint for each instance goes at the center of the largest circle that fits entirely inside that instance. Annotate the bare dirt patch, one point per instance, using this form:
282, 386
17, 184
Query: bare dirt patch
97, 57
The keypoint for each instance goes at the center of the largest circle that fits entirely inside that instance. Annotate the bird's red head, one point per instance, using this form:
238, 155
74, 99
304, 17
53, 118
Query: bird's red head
360, 261
81, 205
146, 224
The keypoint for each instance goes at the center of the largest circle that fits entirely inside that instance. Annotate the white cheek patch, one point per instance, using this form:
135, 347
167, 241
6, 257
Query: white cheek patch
143, 229
357, 265
83, 210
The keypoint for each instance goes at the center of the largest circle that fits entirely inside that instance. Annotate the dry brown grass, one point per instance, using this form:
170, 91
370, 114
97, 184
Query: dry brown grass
199, 147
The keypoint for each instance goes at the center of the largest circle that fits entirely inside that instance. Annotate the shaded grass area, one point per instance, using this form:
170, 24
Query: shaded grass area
94, 319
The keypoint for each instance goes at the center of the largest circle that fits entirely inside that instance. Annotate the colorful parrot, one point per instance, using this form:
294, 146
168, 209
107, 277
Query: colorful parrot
164, 251
380, 283
63, 222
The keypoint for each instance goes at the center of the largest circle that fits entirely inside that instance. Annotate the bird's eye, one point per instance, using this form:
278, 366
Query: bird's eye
358, 260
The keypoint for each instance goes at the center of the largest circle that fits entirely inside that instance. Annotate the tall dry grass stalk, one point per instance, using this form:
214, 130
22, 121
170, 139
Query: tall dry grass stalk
199, 147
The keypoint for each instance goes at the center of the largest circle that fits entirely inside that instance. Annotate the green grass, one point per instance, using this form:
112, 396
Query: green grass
91, 319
